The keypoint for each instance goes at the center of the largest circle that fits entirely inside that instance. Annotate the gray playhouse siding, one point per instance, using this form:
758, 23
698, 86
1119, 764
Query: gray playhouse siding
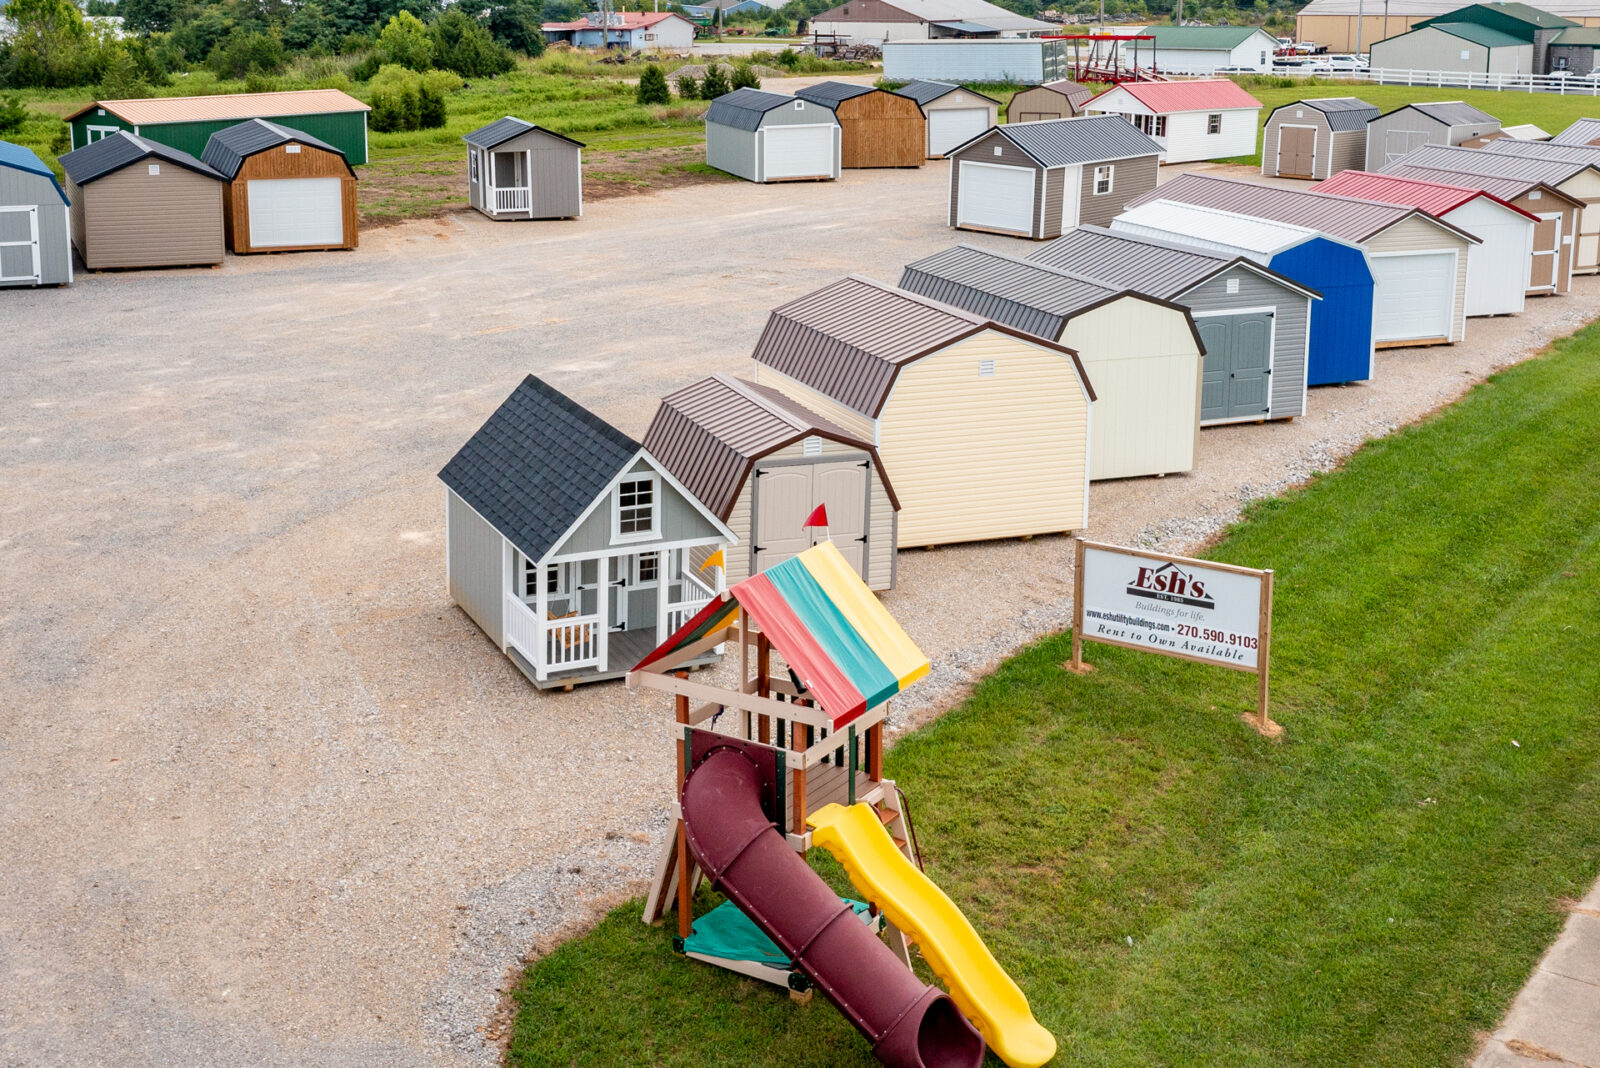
982, 151
55, 241
1133, 178
1290, 328
476, 557
555, 176
680, 521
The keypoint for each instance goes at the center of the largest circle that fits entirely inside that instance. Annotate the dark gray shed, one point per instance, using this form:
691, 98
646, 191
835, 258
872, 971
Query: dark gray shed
955, 113
1036, 179
139, 203
1254, 321
1316, 138
35, 222
1445, 122
517, 170
769, 137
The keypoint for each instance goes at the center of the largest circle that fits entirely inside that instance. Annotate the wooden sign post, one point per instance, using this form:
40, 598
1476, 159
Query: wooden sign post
1178, 606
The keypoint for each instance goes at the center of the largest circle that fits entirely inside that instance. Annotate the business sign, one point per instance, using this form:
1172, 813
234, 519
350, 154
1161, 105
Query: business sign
1194, 609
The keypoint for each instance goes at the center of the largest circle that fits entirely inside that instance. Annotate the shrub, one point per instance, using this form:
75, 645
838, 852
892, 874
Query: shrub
431, 110
688, 87
715, 84
405, 100
242, 53
462, 45
122, 79
405, 41
367, 67
745, 78
13, 113
442, 81
653, 86
788, 59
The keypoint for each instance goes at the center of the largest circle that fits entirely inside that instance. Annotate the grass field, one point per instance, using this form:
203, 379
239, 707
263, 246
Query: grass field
1171, 889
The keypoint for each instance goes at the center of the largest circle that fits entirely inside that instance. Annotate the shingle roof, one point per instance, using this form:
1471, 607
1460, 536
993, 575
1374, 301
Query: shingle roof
1344, 113
118, 150
1435, 198
1030, 296
926, 92
226, 150
1343, 217
743, 109
832, 94
224, 107
1202, 38
538, 462
1063, 142
1581, 132
1451, 113
849, 340
23, 159
1489, 164
711, 433
500, 131
1165, 98
1144, 264
1487, 36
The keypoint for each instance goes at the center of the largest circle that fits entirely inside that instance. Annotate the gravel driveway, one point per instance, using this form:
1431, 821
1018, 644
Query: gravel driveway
268, 797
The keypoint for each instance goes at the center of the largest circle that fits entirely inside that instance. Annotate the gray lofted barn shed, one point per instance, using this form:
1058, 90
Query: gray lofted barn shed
1316, 138
516, 170
35, 222
769, 137
1445, 122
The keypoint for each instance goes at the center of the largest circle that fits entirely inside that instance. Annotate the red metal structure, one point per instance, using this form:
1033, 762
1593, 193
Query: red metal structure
1105, 64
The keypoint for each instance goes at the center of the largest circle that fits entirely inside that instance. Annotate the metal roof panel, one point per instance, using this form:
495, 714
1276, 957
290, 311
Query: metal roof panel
1064, 142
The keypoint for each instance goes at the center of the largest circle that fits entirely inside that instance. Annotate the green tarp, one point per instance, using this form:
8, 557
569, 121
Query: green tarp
729, 934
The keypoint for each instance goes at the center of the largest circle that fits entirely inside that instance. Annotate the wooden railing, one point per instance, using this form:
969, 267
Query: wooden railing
515, 198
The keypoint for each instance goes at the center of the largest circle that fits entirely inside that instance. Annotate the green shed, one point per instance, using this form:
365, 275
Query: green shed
187, 122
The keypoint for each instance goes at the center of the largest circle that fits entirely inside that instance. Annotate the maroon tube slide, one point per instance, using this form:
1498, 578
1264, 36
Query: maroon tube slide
910, 1024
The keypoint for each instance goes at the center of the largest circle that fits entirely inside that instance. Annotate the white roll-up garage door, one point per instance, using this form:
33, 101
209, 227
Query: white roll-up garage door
294, 212
955, 126
995, 197
798, 151
1414, 295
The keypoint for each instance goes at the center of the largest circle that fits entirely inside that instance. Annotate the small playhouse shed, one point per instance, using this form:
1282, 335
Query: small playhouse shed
878, 128
985, 427
1036, 179
1405, 129
764, 464
1498, 272
1419, 262
136, 203
1316, 138
1060, 99
1558, 215
1339, 342
35, 222
768, 137
187, 122
568, 544
1143, 353
1254, 321
955, 114
1211, 118
286, 191
516, 170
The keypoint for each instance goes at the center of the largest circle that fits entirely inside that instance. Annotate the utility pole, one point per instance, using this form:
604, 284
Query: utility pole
1177, 18
1361, 13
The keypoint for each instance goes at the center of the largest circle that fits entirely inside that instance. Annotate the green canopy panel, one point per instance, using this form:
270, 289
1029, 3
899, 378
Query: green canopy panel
728, 934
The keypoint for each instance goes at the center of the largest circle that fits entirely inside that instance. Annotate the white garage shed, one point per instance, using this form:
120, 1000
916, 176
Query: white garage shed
769, 137
955, 113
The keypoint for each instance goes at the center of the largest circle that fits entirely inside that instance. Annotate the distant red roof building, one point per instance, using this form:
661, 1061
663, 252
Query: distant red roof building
620, 20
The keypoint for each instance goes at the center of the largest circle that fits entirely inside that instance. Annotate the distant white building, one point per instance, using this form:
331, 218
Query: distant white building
1204, 49
877, 21
628, 29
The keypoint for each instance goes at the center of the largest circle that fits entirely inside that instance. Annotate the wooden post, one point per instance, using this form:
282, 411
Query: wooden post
763, 681
685, 887
799, 800
1263, 721
875, 752
1076, 664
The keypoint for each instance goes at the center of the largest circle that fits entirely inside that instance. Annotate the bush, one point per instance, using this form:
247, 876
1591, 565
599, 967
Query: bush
653, 86
122, 79
788, 59
405, 100
745, 78
462, 45
442, 81
715, 84
243, 53
688, 87
405, 41
431, 110
13, 113
366, 68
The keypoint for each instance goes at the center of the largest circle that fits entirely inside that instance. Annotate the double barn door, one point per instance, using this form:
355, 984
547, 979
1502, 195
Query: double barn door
1237, 381
786, 494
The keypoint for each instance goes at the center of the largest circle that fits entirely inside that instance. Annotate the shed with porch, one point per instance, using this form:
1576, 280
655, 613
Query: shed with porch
1143, 353
1316, 138
1406, 129
1255, 322
517, 170
286, 191
764, 463
137, 203
954, 113
985, 427
1211, 118
877, 128
35, 222
769, 137
568, 544
1060, 99
1036, 179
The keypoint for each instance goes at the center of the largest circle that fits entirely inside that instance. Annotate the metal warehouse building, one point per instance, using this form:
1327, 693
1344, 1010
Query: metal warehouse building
768, 137
187, 122
974, 61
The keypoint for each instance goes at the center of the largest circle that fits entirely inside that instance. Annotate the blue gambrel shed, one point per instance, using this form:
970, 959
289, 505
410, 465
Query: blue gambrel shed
35, 222
1340, 343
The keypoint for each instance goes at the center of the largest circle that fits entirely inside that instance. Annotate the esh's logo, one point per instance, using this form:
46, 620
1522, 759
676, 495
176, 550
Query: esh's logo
1169, 582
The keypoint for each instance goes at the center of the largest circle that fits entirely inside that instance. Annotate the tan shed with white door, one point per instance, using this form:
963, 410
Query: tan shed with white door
985, 428
763, 463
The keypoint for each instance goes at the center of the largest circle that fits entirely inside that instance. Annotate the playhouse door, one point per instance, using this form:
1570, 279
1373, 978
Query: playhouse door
617, 593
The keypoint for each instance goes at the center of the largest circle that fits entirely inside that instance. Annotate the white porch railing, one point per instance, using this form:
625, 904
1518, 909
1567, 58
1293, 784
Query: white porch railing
694, 596
515, 198
553, 644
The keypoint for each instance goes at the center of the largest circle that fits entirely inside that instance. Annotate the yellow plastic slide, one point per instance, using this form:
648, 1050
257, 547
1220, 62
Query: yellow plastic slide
981, 989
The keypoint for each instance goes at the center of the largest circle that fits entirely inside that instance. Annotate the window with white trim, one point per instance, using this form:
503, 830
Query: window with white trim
1161, 126
649, 564
635, 512
1103, 178
1214, 123
155, 168
472, 166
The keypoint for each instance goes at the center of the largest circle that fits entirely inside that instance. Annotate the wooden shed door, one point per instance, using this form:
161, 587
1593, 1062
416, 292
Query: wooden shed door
786, 495
1236, 383
1546, 253
1297, 151
19, 244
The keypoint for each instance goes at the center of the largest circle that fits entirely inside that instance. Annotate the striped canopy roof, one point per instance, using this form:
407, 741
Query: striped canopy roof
839, 641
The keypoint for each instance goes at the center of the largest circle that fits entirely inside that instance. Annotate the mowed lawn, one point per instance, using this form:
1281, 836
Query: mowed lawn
1169, 888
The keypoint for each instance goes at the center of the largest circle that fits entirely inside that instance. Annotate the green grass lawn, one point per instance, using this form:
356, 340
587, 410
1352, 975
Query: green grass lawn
1169, 888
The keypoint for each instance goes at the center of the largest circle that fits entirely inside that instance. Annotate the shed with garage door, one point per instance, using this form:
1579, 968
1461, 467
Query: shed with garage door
1339, 344
1498, 271
877, 128
1316, 138
768, 137
1419, 262
984, 427
1142, 353
1036, 179
954, 113
137, 203
1406, 129
1060, 99
763, 463
517, 170
35, 222
286, 191
1255, 322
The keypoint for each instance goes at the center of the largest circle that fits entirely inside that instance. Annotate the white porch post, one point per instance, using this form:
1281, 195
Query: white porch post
541, 660
508, 588
602, 609
663, 590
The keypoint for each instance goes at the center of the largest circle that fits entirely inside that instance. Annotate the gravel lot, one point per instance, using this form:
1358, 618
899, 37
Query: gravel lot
269, 798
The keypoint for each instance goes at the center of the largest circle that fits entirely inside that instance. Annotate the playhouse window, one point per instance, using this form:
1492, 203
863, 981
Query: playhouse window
472, 166
1102, 180
1213, 124
636, 508
648, 565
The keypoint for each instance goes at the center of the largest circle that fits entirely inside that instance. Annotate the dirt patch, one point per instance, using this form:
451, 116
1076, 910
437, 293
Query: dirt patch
607, 175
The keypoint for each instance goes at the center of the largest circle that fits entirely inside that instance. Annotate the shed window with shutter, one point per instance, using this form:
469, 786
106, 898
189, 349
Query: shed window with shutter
1213, 124
1102, 179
